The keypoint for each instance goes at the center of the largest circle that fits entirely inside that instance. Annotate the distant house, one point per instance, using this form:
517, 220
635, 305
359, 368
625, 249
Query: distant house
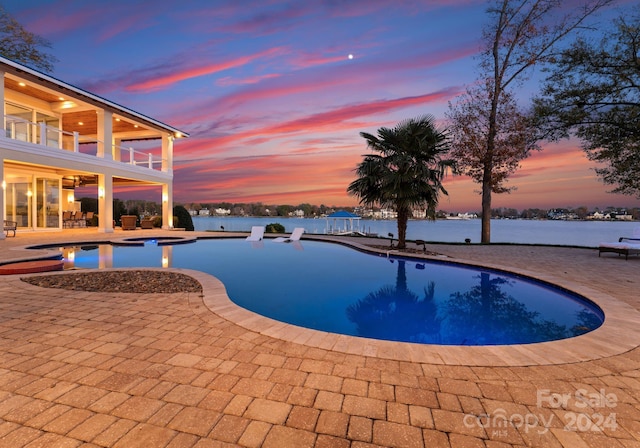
204, 212
599, 216
222, 211
58, 137
388, 214
297, 213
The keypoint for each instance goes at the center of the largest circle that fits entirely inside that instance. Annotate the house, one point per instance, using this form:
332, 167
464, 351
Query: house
297, 213
58, 138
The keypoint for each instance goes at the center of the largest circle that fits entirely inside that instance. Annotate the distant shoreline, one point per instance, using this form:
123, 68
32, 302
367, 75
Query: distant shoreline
583, 233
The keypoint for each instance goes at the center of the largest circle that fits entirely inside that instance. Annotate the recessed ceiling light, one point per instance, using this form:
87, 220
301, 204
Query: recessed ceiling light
80, 123
21, 84
60, 98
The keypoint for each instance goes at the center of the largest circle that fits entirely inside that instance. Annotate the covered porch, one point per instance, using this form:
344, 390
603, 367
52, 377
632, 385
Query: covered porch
41, 198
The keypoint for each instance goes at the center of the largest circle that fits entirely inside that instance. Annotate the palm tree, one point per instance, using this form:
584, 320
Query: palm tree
407, 172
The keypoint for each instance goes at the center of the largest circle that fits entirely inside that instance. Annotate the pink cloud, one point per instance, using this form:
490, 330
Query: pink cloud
147, 82
39, 19
229, 81
237, 177
338, 119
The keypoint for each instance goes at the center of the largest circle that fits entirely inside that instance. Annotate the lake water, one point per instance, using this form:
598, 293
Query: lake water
569, 233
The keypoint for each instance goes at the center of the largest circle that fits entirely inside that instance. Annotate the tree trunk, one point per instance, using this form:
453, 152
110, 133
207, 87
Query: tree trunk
403, 217
487, 184
485, 237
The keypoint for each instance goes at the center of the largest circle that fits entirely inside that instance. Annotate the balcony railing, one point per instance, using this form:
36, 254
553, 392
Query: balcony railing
18, 128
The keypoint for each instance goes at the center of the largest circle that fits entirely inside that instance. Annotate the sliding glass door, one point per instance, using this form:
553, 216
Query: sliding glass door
47, 200
33, 204
17, 203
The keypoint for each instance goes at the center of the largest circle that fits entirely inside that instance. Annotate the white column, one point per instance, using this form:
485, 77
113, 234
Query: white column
2, 101
105, 134
31, 201
167, 153
116, 152
167, 206
105, 203
3, 193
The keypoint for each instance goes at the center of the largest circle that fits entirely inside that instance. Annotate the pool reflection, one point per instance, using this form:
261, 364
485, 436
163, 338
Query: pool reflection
397, 314
485, 314
74, 255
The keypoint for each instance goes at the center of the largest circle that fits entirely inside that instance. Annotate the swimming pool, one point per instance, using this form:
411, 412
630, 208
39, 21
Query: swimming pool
337, 289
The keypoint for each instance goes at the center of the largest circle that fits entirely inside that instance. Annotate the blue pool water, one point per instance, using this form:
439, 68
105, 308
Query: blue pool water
337, 289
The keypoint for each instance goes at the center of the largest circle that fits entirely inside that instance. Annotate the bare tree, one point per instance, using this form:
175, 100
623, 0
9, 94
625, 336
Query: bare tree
470, 124
23, 46
521, 34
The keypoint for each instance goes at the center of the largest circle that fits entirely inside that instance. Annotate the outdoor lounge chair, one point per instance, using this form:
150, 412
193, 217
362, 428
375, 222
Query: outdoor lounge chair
625, 246
295, 236
257, 232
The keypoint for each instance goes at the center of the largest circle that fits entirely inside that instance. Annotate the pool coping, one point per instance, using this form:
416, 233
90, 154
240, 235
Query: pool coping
619, 333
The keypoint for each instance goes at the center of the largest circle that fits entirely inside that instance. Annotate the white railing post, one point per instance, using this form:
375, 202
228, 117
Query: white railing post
131, 161
150, 161
12, 129
76, 141
43, 133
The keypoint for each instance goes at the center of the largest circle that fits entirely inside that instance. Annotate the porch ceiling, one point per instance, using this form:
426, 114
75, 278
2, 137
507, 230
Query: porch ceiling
84, 121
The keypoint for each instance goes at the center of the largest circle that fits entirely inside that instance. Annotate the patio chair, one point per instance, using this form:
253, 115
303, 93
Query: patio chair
79, 219
67, 221
88, 217
295, 236
146, 223
257, 232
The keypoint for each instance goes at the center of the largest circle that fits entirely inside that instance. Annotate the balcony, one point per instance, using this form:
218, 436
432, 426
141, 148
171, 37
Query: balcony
17, 128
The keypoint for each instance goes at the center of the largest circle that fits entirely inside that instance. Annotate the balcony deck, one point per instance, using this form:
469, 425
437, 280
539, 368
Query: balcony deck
43, 135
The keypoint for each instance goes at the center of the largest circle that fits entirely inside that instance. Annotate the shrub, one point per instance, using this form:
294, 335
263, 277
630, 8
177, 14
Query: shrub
157, 221
274, 228
183, 218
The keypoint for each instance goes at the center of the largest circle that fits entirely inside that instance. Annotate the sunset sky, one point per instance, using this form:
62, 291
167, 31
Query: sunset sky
273, 102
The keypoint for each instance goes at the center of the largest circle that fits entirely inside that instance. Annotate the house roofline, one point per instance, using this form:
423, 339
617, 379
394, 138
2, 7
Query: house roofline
19, 68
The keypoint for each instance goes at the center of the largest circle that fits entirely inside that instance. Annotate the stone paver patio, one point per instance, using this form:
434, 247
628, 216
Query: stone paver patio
164, 370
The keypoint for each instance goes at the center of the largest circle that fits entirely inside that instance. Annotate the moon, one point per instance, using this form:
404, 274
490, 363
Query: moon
350, 56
